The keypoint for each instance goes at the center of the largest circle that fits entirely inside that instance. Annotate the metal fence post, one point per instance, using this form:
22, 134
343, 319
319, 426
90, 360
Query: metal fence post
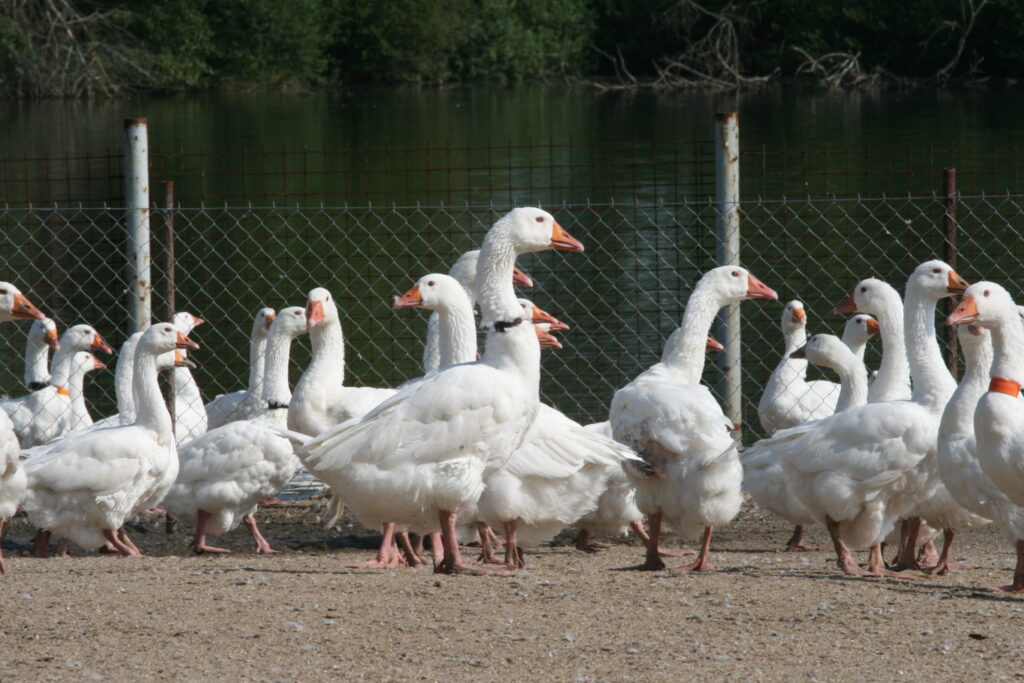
727, 252
136, 191
949, 223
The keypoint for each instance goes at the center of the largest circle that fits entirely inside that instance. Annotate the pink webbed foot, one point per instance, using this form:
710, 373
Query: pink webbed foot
795, 544
200, 548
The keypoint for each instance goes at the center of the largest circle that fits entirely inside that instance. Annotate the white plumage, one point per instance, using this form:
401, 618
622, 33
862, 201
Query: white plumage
190, 420
245, 403
42, 337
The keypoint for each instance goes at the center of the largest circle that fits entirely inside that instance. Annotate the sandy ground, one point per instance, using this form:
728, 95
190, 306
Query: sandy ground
571, 616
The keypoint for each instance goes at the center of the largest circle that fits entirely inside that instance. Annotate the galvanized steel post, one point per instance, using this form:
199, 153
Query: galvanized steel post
727, 253
136, 192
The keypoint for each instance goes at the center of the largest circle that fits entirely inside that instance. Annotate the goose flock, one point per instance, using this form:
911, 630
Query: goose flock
469, 451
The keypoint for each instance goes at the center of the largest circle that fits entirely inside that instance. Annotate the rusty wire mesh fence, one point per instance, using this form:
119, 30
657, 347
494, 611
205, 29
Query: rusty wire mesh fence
622, 297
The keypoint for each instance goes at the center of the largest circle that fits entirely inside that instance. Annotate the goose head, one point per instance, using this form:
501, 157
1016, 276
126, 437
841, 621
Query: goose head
186, 322
859, 329
174, 359
985, 304
935, 280
44, 331
163, 337
293, 320
794, 317
533, 229
712, 345
262, 322
13, 304
84, 338
84, 362
827, 351
320, 308
871, 296
732, 284
539, 315
433, 291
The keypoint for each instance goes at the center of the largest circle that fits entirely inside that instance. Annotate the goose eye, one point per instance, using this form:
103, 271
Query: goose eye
539, 219
735, 273
3, 291
936, 270
986, 292
863, 289
430, 283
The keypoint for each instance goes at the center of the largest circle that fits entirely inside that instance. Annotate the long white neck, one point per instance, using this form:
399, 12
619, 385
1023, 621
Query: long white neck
457, 334
186, 391
893, 381
494, 289
853, 384
1008, 347
257, 353
933, 385
123, 381
686, 347
150, 409
855, 342
516, 350
958, 417
328, 360
275, 388
431, 348
37, 369
80, 416
63, 368
791, 369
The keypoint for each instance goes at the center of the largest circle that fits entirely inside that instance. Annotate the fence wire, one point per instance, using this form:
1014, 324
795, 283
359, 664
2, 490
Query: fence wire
622, 297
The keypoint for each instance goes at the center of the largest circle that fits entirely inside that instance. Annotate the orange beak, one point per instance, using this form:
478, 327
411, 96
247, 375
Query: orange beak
181, 362
956, 284
410, 299
185, 343
542, 316
800, 353
848, 306
966, 312
712, 345
873, 327
270, 321
521, 279
759, 290
799, 316
314, 313
560, 239
547, 341
24, 309
196, 322
97, 364
50, 337
99, 343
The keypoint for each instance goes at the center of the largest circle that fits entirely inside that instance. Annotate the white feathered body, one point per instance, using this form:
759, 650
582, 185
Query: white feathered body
39, 417
190, 417
999, 425
616, 507
316, 407
694, 476
789, 399
229, 470
12, 475
426, 448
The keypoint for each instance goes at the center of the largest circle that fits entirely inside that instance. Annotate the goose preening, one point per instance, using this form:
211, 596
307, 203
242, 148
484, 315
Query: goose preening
13, 306
859, 471
998, 418
245, 403
764, 477
84, 488
42, 337
48, 413
189, 413
420, 457
692, 474
226, 472
788, 398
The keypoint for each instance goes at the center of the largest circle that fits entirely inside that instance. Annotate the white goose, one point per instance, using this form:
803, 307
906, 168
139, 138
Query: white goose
763, 474
13, 305
998, 418
42, 337
226, 472
693, 474
245, 403
189, 413
861, 470
84, 488
419, 457
788, 398
44, 415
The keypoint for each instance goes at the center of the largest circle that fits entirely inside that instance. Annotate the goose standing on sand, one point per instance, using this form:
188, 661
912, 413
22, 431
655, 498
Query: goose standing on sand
859, 471
42, 337
692, 474
420, 457
225, 473
998, 418
245, 403
13, 306
84, 488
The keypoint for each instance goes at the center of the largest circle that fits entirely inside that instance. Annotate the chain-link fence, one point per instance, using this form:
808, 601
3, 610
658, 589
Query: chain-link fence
622, 297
